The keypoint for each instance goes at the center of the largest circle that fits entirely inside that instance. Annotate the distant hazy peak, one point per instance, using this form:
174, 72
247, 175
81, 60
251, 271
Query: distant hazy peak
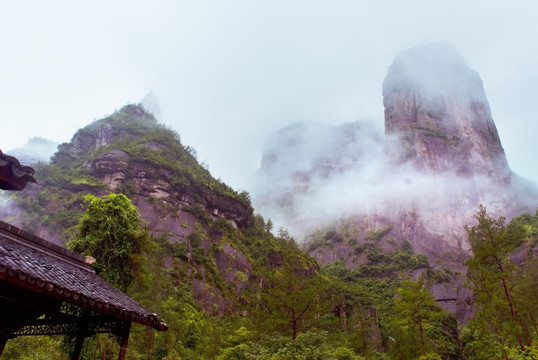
35, 150
151, 104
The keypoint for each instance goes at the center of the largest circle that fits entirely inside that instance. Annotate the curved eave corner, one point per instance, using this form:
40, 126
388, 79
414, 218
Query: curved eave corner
58, 292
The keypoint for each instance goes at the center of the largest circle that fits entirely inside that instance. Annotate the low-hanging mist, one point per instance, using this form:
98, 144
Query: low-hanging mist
438, 159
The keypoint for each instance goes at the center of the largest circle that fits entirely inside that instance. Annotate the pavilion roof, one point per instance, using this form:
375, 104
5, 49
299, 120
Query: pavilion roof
38, 265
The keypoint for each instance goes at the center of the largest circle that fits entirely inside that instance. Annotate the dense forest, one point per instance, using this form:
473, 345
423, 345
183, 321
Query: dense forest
230, 286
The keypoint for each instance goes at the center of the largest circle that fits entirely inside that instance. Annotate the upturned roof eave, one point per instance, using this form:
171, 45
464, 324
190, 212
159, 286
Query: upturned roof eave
58, 292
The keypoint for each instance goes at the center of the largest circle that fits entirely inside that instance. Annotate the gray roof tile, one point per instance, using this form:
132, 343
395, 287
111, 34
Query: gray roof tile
39, 265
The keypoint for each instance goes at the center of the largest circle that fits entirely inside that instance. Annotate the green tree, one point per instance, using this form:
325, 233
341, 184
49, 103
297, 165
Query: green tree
292, 294
311, 345
284, 234
111, 232
526, 294
269, 226
415, 307
527, 281
36, 348
490, 271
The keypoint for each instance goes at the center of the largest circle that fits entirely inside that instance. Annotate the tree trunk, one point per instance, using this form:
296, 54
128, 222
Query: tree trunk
512, 309
526, 333
501, 342
421, 336
294, 325
534, 324
343, 315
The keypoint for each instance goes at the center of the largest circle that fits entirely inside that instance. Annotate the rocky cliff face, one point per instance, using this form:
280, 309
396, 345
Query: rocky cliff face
130, 152
438, 122
160, 201
438, 114
187, 210
440, 157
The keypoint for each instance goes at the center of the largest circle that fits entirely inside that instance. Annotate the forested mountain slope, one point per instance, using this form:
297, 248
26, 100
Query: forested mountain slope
230, 289
215, 272
353, 189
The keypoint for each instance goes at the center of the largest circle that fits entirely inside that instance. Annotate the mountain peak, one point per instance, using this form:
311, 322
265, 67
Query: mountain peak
151, 104
437, 110
434, 70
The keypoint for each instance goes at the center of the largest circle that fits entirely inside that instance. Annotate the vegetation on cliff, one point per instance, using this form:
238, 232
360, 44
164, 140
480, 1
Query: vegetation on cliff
503, 276
56, 204
110, 232
231, 289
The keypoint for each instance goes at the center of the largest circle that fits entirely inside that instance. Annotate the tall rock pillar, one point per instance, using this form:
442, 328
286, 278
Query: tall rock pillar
437, 116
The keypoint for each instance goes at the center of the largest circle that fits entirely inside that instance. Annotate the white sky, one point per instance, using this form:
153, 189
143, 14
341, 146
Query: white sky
228, 72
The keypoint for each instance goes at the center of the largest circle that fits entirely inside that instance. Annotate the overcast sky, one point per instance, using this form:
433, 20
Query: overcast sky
228, 72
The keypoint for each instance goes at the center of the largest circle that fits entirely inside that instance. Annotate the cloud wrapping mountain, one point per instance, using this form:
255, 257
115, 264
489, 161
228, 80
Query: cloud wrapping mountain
439, 158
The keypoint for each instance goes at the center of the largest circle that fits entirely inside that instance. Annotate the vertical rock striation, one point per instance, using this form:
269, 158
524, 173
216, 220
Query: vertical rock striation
442, 157
437, 115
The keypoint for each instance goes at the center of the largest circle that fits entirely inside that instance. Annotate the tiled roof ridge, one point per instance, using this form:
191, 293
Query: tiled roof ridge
43, 245
74, 297
100, 296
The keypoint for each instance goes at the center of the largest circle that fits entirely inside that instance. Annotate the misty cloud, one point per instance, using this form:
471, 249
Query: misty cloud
316, 196
440, 159
228, 73
37, 149
437, 70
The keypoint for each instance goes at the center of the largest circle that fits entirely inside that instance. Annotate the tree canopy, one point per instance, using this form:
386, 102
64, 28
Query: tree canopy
111, 232
505, 293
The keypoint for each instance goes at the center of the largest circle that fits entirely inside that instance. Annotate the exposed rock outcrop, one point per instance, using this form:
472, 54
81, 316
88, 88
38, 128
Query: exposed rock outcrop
440, 158
104, 136
436, 108
111, 167
186, 209
438, 121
